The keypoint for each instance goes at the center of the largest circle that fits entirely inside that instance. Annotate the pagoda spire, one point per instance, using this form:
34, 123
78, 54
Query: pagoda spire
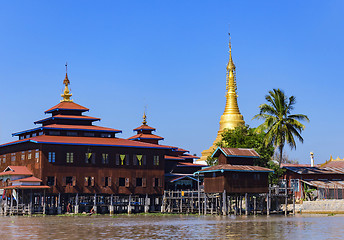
66, 95
144, 122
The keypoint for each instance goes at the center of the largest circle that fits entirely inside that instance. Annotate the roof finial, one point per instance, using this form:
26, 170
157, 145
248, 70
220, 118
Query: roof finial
66, 95
144, 122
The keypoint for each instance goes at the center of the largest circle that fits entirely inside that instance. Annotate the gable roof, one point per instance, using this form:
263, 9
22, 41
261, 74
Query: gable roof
145, 136
236, 152
59, 116
16, 170
233, 168
144, 127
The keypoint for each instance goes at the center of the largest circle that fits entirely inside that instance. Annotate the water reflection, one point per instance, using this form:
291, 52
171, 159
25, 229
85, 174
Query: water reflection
172, 227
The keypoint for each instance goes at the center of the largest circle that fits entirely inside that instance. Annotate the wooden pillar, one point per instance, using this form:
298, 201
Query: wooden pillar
240, 207
192, 201
199, 197
246, 204
205, 204
111, 207
44, 203
268, 201
286, 200
76, 207
230, 205
147, 203
11, 207
95, 203
129, 205
59, 208
224, 203
18, 202
254, 205
293, 202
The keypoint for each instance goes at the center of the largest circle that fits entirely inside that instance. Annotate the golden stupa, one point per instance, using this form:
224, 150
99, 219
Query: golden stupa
231, 117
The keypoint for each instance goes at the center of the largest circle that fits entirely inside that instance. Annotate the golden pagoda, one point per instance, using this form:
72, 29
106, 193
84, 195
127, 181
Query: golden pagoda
231, 117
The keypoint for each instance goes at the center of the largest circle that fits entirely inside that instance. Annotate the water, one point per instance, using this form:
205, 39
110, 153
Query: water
173, 227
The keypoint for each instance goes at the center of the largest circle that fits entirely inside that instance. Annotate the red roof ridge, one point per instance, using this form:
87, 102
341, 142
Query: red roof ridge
67, 106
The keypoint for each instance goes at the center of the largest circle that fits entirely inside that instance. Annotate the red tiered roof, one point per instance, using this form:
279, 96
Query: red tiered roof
67, 106
116, 142
81, 127
145, 136
144, 127
16, 170
68, 117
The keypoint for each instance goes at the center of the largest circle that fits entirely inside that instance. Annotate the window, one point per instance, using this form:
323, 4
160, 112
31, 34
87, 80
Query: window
51, 157
294, 183
282, 183
13, 158
123, 159
90, 158
21, 137
27, 136
37, 155
29, 156
139, 160
106, 181
214, 174
51, 181
40, 133
105, 135
23, 157
256, 176
69, 157
69, 181
89, 182
156, 161
34, 134
88, 134
121, 182
105, 158
72, 134
138, 182
156, 182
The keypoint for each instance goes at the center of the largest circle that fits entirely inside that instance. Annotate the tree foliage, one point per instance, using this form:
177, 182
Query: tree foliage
246, 137
280, 126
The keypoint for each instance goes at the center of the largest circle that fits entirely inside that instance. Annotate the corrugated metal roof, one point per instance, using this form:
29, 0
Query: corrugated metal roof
239, 168
315, 170
236, 152
325, 184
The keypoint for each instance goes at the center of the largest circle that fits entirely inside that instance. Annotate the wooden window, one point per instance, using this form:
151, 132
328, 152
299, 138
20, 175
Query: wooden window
156, 182
13, 158
69, 157
127, 182
121, 182
139, 182
92, 182
105, 158
51, 181
144, 160
134, 182
156, 161
29, 156
89, 134
159, 182
127, 159
74, 181
134, 159
64, 181
86, 182
34, 134
122, 159
108, 182
105, 135
51, 157
139, 160
144, 182
72, 134
23, 157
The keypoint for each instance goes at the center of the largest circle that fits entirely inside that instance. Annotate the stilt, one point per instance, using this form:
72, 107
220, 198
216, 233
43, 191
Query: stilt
76, 207
246, 204
95, 203
147, 204
205, 204
44, 202
230, 205
199, 197
240, 207
267, 205
224, 203
286, 200
59, 208
111, 207
129, 205
11, 207
254, 205
293, 202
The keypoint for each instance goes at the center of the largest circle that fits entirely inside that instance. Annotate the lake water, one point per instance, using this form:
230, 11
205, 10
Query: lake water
173, 227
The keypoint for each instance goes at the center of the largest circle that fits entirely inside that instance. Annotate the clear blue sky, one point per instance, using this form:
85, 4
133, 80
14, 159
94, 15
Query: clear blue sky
171, 56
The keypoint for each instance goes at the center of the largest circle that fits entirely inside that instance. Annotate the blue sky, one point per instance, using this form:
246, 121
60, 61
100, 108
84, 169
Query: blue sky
170, 56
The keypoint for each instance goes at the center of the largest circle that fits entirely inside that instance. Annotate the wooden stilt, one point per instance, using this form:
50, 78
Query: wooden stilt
224, 203
286, 200
246, 204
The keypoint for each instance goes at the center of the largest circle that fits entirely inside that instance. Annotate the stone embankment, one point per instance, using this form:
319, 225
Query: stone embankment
322, 206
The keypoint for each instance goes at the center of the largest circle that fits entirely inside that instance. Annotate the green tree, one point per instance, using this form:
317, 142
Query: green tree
246, 137
280, 126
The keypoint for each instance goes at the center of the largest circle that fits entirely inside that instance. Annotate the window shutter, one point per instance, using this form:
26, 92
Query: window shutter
159, 182
127, 182
109, 181
64, 181
127, 159
74, 181
154, 182
86, 182
92, 181
144, 182
103, 181
134, 159
117, 159
93, 158
144, 160
134, 182
55, 181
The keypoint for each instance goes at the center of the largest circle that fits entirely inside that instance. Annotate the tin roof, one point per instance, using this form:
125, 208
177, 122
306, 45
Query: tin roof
234, 168
26, 187
236, 152
67, 106
315, 170
182, 177
325, 184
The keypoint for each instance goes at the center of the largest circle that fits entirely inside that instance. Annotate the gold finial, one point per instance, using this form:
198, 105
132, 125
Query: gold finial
144, 122
66, 95
230, 65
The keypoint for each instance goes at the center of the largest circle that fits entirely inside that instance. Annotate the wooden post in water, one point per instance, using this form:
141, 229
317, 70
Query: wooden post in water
95, 203
11, 207
254, 205
147, 203
76, 207
230, 205
205, 204
192, 201
293, 202
224, 203
268, 201
240, 205
129, 205
111, 207
199, 197
246, 204
286, 200
59, 208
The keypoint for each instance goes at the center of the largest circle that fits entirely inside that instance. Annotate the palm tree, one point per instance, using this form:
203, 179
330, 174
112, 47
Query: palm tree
280, 126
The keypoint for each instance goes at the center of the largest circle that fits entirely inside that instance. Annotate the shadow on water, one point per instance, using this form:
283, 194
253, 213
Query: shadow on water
172, 227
